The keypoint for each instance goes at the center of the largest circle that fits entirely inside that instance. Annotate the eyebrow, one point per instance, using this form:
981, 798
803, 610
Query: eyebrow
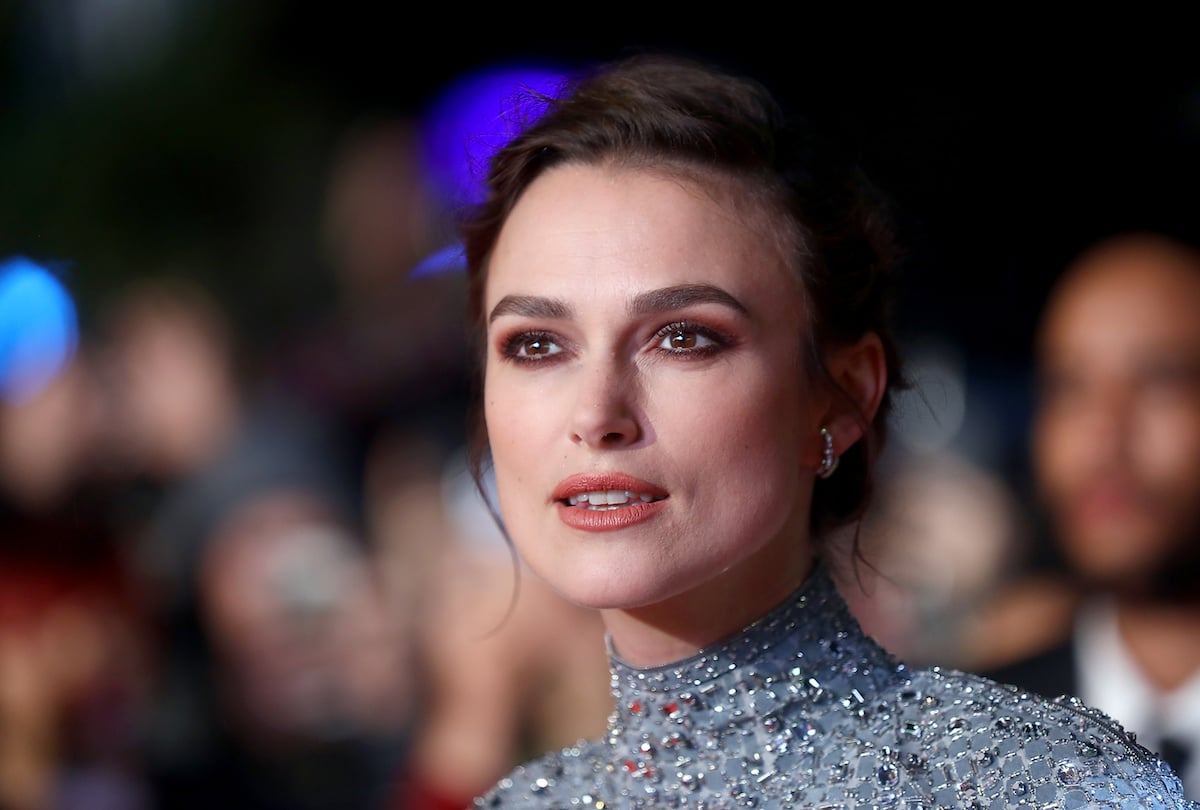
647, 303
681, 296
530, 306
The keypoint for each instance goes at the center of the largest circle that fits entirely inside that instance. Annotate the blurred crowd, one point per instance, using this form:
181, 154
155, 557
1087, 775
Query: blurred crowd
269, 582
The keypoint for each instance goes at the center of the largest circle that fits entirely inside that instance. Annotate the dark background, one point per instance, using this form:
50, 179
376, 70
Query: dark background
1008, 147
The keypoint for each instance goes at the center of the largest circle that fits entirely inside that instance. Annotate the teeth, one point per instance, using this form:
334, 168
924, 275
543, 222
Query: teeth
610, 498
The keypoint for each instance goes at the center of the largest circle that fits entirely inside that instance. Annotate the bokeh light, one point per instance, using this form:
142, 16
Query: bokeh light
449, 259
474, 115
38, 328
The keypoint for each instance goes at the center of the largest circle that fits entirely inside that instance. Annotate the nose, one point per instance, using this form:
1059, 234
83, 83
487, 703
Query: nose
606, 413
1113, 426
1102, 427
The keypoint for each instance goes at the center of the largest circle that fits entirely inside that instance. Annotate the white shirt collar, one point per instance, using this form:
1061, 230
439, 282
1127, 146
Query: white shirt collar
1111, 680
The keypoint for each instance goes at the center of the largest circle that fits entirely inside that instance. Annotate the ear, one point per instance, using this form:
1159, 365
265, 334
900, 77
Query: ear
859, 373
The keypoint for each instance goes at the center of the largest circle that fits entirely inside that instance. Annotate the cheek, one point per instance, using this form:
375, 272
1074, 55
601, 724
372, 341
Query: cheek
504, 442
521, 430
1167, 447
1057, 449
739, 426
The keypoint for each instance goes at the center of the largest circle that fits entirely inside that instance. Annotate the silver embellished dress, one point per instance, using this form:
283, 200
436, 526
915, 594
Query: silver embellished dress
802, 709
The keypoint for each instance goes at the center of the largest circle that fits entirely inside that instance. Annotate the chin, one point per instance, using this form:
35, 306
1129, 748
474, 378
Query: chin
615, 591
618, 597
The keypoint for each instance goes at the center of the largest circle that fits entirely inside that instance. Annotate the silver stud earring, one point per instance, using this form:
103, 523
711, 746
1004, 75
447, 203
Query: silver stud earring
829, 459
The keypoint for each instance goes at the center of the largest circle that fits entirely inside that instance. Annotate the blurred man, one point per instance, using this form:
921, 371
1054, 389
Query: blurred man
1116, 451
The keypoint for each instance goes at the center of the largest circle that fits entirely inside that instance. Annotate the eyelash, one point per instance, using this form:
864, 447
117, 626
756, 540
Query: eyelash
511, 348
716, 341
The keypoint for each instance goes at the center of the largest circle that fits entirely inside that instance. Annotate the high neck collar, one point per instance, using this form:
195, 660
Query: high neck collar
809, 648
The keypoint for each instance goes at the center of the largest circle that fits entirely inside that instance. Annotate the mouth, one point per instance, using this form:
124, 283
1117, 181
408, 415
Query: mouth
608, 500
1108, 498
606, 492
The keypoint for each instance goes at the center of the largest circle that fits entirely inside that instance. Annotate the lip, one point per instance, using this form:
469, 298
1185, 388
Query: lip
593, 482
590, 520
1106, 502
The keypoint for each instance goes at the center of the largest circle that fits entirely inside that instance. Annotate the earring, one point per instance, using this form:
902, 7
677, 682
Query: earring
829, 459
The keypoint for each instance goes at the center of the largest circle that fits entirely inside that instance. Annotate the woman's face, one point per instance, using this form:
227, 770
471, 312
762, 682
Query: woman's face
646, 403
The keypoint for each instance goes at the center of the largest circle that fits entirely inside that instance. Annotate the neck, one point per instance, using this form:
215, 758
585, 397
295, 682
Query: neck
681, 626
1163, 638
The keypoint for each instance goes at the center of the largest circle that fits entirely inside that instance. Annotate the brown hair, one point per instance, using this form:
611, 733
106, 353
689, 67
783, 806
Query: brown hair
667, 112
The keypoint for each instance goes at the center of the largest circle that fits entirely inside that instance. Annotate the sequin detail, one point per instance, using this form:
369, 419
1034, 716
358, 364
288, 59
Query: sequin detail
803, 710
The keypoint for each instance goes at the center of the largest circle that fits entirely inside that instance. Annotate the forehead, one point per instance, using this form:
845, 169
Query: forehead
635, 223
1124, 305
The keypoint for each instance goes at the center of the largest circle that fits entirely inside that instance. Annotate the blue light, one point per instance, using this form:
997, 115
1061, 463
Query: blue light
450, 259
38, 328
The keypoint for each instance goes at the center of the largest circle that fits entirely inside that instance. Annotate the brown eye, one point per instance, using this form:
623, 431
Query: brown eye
532, 347
683, 338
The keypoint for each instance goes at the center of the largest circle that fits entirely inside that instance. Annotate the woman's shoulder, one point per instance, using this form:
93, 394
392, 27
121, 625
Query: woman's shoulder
1032, 747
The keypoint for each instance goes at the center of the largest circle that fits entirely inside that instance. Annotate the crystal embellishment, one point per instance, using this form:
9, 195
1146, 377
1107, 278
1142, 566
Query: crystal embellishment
802, 709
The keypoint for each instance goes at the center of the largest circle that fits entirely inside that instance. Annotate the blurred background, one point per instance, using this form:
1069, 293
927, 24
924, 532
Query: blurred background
241, 562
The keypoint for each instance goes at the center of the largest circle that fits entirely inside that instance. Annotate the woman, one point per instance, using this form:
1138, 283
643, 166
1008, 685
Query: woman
682, 305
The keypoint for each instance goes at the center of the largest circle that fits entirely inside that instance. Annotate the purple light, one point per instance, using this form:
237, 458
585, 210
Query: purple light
472, 117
